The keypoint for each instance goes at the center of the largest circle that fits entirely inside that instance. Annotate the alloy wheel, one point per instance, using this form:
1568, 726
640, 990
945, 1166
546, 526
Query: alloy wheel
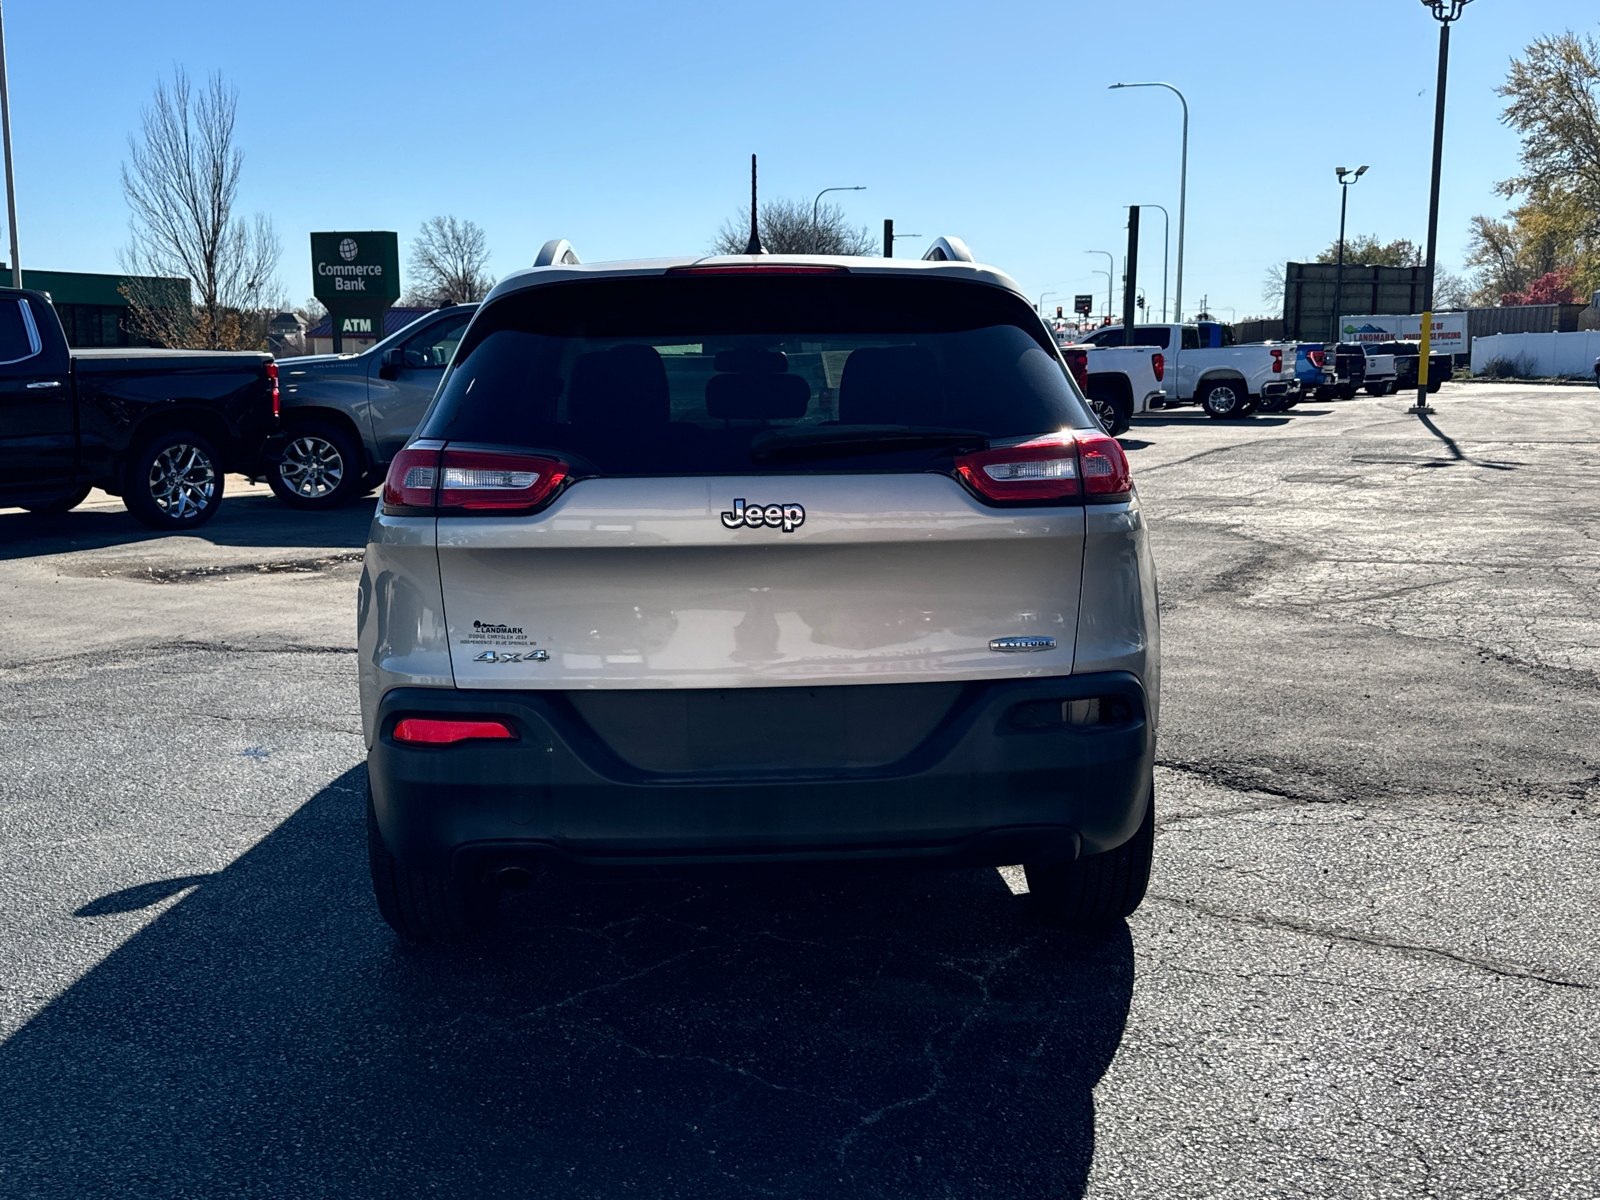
312, 467
183, 481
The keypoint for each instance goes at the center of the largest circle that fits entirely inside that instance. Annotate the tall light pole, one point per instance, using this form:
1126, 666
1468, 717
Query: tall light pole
1344, 201
11, 183
817, 201
1111, 265
1166, 245
1042, 295
1183, 188
1444, 11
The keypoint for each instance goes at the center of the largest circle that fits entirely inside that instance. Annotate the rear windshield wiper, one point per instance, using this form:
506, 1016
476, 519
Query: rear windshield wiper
829, 441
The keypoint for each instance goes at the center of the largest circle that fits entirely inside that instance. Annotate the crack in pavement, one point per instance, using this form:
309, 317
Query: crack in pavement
205, 647
1310, 929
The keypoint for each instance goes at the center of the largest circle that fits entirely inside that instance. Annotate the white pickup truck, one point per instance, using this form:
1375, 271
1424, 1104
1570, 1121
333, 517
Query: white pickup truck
1226, 381
1120, 382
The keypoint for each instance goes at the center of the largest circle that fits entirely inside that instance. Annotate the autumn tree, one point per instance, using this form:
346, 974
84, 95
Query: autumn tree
181, 180
1552, 98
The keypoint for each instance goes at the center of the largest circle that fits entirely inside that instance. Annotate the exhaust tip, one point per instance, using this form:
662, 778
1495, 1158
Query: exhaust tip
514, 879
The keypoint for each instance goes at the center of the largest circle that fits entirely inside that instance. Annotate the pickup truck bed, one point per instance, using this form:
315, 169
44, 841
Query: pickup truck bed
160, 428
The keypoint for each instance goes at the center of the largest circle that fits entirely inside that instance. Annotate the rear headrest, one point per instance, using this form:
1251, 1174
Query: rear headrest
757, 397
752, 361
625, 385
891, 385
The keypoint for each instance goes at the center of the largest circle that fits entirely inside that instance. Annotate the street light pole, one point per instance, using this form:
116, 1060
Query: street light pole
1183, 188
817, 201
1042, 295
1338, 278
1444, 11
1166, 246
1111, 266
11, 183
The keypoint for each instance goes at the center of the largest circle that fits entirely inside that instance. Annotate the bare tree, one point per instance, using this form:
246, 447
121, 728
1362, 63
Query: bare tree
786, 228
447, 264
181, 180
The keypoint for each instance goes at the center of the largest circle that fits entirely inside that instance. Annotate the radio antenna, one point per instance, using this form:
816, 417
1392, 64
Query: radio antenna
753, 246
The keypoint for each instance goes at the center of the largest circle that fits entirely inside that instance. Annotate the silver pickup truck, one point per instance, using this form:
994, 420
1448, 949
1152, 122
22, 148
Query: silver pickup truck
347, 415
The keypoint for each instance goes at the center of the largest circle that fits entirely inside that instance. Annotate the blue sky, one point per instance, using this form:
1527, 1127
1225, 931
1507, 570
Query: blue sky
627, 127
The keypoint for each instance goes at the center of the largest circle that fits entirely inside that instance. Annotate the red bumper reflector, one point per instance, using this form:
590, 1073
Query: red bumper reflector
420, 731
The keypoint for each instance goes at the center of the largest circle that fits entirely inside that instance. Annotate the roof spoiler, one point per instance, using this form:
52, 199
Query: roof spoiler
557, 252
948, 249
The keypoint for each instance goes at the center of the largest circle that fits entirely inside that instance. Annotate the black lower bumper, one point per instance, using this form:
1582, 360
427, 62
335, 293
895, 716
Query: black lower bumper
1002, 777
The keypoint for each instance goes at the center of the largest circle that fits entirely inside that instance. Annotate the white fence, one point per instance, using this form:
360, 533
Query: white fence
1539, 353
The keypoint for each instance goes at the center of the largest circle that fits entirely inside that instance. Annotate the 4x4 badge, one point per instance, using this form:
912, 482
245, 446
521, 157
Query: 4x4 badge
495, 656
787, 517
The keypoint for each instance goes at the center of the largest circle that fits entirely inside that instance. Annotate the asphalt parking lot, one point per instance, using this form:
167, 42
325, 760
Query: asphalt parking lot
1368, 966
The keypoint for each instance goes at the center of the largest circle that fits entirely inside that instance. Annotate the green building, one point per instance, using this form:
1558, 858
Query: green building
92, 308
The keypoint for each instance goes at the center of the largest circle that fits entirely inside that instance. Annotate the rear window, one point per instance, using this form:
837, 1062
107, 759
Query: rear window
706, 374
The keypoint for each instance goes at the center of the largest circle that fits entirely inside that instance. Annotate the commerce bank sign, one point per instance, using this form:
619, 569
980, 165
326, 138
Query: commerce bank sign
357, 276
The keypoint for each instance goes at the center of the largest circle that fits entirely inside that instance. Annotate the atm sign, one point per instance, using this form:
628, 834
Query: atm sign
356, 325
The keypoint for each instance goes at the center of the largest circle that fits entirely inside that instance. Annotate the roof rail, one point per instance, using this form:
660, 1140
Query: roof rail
557, 252
948, 249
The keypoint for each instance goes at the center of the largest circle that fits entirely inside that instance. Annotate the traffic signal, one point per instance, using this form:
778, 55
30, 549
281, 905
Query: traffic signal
1058, 312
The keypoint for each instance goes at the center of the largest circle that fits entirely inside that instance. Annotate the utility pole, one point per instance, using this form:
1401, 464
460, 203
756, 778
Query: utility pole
888, 237
1130, 287
11, 182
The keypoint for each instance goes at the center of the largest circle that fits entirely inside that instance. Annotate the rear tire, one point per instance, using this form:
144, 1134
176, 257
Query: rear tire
61, 504
1100, 890
1377, 389
1224, 399
1114, 416
321, 467
175, 482
1272, 404
423, 907
1434, 385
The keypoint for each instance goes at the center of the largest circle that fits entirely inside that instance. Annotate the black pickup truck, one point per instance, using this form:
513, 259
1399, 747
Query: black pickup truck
160, 428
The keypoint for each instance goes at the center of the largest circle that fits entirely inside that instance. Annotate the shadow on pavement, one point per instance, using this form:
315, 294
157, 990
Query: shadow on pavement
243, 521
885, 1036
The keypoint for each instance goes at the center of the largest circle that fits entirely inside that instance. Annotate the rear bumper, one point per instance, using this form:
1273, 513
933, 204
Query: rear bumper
991, 784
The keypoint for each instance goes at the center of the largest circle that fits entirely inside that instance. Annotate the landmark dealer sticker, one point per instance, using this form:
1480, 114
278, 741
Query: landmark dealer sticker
493, 633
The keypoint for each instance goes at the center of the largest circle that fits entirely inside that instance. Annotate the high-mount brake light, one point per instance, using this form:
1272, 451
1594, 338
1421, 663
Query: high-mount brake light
1158, 364
272, 374
423, 731
411, 479
1081, 466
1078, 362
484, 481
760, 269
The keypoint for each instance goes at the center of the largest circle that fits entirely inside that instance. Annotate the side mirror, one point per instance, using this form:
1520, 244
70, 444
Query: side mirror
393, 360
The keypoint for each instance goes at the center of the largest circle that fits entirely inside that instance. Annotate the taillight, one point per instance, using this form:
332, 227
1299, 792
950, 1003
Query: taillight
1158, 364
1319, 358
482, 481
422, 731
411, 480
1059, 467
1277, 361
1104, 468
1078, 364
478, 481
272, 374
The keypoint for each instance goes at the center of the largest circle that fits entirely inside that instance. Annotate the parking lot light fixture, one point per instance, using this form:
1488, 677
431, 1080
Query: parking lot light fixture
818, 200
1042, 295
1444, 11
1183, 189
1111, 266
1344, 201
11, 184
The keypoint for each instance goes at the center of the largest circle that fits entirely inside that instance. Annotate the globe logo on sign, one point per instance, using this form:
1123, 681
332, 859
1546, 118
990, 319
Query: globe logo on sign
347, 249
